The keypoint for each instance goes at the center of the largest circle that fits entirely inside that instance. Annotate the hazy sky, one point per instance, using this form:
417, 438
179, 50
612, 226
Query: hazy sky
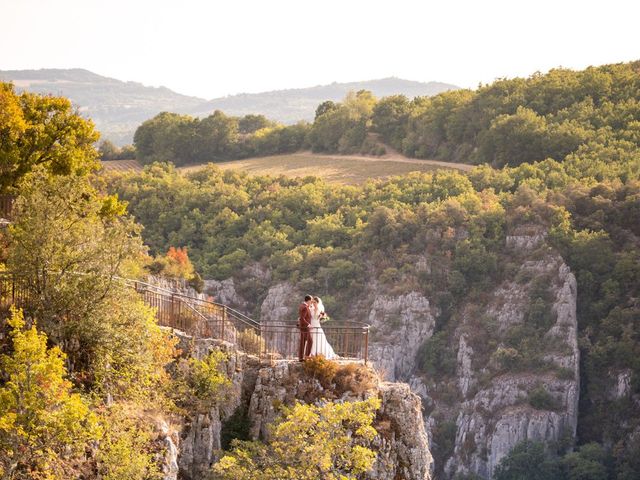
214, 48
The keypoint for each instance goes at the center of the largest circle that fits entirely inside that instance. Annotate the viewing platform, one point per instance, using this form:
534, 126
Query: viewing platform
202, 318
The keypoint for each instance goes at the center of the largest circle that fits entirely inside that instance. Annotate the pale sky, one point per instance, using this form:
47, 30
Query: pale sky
215, 48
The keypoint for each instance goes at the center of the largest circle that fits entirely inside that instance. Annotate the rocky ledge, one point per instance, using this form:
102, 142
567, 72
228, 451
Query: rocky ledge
259, 388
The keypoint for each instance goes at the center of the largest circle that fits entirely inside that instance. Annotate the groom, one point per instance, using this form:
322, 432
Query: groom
304, 324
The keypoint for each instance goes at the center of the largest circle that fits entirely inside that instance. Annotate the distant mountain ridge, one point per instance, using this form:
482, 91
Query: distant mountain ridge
118, 107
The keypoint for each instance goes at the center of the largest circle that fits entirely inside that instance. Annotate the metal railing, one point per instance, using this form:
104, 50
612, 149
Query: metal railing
207, 319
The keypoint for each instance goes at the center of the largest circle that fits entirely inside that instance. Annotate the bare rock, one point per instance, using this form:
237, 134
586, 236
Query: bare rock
498, 415
280, 304
400, 325
224, 292
404, 451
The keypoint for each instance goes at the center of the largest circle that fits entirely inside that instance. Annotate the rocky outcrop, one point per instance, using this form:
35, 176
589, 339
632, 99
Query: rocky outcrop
490, 406
224, 292
280, 303
402, 446
538, 404
170, 459
259, 388
404, 451
399, 326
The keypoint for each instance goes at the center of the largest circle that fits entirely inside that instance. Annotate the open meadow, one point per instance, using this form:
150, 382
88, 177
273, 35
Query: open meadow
348, 170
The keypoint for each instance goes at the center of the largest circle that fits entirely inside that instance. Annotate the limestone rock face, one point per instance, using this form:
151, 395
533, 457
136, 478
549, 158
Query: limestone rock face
403, 449
490, 407
280, 304
224, 292
170, 460
404, 452
496, 415
399, 326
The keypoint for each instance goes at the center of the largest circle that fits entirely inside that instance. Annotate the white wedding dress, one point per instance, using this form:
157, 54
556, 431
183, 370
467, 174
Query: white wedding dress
320, 344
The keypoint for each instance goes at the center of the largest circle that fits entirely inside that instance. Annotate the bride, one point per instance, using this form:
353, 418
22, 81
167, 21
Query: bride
320, 344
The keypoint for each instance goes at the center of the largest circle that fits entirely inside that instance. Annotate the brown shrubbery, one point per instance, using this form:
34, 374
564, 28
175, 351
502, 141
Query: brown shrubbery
351, 377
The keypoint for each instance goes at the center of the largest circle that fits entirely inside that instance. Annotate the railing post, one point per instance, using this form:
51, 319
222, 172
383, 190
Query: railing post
224, 320
366, 345
172, 312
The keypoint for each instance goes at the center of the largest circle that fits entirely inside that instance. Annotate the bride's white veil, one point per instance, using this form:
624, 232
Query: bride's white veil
320, 305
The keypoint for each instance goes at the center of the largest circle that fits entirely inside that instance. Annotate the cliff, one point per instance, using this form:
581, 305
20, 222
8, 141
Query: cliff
258, 389
513, 350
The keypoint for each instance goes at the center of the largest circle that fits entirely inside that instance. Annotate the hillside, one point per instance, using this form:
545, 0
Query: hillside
291, 105
118, 107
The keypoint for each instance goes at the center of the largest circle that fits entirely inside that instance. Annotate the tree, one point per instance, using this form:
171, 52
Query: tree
216, 137
251, 123
126, 448
588, 463
514, 139
360, 104
310, 442
42, 130
390, 117
69, 242
528, 461
166, 137
108, 150
175, 264
324, 107
42, 424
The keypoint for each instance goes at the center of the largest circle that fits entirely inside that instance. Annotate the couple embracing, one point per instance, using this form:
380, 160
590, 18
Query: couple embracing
312, 338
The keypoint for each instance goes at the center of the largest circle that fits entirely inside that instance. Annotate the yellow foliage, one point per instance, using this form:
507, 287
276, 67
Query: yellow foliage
126, 450
43, 426
310, 442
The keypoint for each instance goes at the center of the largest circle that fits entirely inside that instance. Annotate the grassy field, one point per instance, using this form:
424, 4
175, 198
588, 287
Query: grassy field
349, 170
121, 165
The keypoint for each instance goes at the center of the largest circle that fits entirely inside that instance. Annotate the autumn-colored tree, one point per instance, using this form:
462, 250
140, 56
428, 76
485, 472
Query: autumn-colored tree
310, 442
43, 425
175, 264
42, 130
70, 243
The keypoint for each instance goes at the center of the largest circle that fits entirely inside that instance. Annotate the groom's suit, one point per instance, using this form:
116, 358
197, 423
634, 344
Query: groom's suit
304, 324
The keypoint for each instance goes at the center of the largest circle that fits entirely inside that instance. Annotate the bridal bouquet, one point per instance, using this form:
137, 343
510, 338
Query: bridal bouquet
324, 317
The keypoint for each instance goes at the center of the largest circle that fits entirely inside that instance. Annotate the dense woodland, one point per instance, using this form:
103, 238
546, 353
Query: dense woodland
559, 155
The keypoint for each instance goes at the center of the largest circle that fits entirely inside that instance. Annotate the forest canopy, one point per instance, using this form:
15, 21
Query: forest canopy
564, 115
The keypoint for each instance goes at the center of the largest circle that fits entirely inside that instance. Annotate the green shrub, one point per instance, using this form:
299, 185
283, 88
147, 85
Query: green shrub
540, 399
444, 441
436, 357
507, 358
201, 384
529, 461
